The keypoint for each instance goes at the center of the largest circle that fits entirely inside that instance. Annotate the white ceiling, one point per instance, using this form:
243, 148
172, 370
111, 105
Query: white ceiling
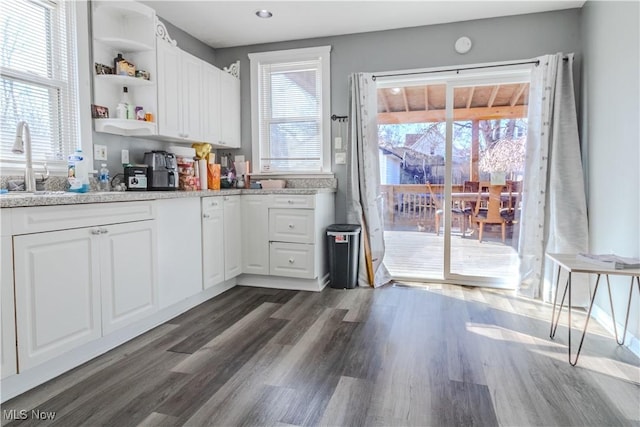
234, 23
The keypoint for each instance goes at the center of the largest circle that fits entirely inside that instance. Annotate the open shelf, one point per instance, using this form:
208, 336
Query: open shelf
119, 80
125, 127
124, 45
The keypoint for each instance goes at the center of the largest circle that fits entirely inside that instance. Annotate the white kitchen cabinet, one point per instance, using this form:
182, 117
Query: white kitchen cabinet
255, 234
179, 249
8, 361
229, 110
57, 276
179, 93
211, 104
213, 255
232, 237
128, 254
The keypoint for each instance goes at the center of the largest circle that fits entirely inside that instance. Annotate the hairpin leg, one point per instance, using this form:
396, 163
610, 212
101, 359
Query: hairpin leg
554, 319
626, 320
586, 323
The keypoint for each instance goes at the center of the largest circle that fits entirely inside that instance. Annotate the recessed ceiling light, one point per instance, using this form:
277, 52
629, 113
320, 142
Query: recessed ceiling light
264, 14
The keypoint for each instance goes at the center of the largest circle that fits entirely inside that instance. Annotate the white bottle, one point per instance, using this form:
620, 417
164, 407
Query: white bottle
122, 110
103, 178
78, 172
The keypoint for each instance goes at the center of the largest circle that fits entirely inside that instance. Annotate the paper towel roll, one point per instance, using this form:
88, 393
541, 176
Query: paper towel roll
202, 166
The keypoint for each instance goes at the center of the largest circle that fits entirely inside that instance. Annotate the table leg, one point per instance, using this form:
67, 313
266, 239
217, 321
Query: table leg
586, 323
626, 320
555, 320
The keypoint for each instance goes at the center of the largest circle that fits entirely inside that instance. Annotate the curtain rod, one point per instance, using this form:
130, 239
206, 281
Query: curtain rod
458, 69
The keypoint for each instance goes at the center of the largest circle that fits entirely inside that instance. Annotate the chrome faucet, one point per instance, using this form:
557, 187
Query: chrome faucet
23, 146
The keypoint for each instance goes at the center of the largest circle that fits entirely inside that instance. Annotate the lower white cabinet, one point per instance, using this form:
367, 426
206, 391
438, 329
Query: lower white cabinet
221, 239
73, 286
8, 361
179, 249
292, 260
57, 276
255, 234
128, 256
212, 241
232, 237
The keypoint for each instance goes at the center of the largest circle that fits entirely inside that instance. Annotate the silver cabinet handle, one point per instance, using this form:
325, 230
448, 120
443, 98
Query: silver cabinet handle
291, 226
103, 231
290, 202
95, 231
206, 216
291, 260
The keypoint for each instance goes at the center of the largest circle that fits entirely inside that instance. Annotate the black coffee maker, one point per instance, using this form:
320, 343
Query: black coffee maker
162, 173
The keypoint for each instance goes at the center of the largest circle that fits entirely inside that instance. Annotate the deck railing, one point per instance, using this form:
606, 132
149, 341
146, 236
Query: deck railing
411, 204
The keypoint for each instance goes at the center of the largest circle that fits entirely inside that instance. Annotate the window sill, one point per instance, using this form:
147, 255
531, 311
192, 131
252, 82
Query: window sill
292, 175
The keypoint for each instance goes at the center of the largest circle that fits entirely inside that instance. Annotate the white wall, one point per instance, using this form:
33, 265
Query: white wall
611, 137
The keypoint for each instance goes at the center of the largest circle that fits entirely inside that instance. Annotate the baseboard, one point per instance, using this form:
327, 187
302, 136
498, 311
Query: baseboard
278, 282
17, 384
603, 318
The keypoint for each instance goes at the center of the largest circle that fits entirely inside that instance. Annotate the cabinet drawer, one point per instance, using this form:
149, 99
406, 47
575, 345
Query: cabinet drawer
291, 225
51, 218
211, 203
292, 260
293, 201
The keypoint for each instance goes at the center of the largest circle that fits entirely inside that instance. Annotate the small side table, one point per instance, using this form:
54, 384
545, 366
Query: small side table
571, 264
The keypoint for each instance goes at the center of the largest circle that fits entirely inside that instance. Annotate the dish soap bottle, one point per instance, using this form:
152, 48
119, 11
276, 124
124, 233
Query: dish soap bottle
78, 172
123, 106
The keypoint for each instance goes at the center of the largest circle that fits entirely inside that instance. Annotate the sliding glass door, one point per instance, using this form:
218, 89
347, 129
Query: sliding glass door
451, 160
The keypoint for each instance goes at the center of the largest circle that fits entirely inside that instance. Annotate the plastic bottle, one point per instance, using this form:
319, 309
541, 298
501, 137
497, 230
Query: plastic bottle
122, 110
78, 172
103, 179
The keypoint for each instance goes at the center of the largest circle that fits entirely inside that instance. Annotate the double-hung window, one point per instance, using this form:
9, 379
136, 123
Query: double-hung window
39, 79
290, 111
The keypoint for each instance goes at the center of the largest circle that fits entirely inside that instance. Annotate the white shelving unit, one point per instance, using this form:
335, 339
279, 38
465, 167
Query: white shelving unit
127, 28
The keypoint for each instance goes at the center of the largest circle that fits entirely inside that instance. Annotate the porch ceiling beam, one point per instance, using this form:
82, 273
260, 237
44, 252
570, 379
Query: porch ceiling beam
385, 101
492, 98
478, 113
404, 97
517, 94
426, 98
470, 96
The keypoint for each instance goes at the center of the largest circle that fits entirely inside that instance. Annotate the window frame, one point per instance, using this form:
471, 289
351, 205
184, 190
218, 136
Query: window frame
285, 56
77, 28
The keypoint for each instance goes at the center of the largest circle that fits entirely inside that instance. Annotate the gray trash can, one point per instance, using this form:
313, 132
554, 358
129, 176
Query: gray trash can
343, 241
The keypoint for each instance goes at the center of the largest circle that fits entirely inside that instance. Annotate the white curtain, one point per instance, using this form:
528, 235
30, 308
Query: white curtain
554, 210
364, 201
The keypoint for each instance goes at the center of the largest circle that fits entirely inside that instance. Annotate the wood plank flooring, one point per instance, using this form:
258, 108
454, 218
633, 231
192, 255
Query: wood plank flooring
430, 355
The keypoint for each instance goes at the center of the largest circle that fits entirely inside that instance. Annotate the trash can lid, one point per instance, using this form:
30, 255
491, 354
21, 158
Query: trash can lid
344, 228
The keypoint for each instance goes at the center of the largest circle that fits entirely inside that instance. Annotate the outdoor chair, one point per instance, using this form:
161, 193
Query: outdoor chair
492, 214
457, 212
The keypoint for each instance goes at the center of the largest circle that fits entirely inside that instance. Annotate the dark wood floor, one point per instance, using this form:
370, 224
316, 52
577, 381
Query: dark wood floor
435, 355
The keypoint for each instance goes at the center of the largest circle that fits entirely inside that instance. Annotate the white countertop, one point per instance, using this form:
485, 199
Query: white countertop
17, 199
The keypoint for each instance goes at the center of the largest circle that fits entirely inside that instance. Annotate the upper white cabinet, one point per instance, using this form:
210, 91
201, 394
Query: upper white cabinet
229, 110
127, 28
179, 93
211, 103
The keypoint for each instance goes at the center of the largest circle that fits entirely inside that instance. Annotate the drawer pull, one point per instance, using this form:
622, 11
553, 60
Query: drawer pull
290, 202
103, 231
206, 216
95, 232
291, 226
291, 260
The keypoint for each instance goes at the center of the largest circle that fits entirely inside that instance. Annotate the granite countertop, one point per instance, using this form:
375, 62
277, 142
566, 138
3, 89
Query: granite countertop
17, 199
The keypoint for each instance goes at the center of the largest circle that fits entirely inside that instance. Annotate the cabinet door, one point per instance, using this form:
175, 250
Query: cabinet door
230, 110
213, 253
210, 104
191, 79
8, 364
179, 249
255, 234
129, 286
232, 237
57, 293
169, 91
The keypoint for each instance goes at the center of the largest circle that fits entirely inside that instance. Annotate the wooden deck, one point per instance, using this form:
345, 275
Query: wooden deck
420, 255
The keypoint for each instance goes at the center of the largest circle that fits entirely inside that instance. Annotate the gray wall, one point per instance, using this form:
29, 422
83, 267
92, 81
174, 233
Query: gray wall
138, 146
497, 39
610, 135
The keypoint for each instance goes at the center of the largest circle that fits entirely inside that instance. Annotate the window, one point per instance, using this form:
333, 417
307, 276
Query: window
290, 111
39, 79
